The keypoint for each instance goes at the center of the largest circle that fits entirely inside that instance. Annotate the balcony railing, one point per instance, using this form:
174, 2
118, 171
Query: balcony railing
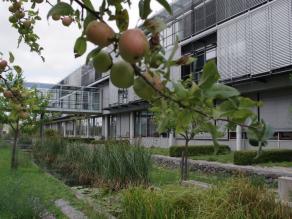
73, 99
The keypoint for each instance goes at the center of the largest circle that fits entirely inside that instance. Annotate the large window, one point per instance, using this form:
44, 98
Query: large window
123, 96
144, 125
203, 55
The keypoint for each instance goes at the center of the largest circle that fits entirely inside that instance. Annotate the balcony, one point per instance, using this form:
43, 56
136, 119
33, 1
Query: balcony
69, 99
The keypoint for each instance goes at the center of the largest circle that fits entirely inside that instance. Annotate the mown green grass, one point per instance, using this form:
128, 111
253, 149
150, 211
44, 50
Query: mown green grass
222, 158
32, 180
159, 151
276, 164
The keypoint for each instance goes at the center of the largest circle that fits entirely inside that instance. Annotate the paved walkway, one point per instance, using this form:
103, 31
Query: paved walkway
212, 167
68, 210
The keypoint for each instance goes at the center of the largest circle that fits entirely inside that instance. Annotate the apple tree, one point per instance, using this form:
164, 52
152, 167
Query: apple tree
142, 61
20, 107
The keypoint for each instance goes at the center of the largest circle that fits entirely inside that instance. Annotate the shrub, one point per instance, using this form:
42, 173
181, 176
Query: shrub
248, 157
25, 139
237, 198
51, 133
194, 150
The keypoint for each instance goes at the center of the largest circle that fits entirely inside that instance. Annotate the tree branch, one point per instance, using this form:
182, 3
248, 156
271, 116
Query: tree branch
139, 73
93, 12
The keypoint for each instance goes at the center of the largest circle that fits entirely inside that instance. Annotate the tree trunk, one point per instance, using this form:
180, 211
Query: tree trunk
184, 162
14, 148
42, 129
259, 152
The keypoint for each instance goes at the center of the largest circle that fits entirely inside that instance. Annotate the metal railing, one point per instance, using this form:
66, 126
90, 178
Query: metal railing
72, 99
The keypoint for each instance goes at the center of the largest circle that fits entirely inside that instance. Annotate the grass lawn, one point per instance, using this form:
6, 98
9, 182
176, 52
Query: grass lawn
159, 151
276, 164
30, 179
223, 158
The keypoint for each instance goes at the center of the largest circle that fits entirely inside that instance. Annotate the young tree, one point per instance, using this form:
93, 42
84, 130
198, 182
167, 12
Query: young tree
144, 64
19, 107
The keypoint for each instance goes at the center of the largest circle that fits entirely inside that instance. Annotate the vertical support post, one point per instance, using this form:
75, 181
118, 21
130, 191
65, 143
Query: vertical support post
64, 129
106, 127
278, 138
60, 95
170, 139
132, 131
74, 128
238, 138
88, 128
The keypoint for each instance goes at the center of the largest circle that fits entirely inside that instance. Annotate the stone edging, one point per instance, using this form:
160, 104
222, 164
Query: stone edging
216, 167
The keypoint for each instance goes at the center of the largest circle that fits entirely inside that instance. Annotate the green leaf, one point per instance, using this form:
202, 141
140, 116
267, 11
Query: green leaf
11, 57
221, 91
61, 8
245, 102
90, 17
80, 47
185, 60
154, 25
144, 8
17, 68
210, 75
165, 4
259, 132
92, 54
88, 4
122, 20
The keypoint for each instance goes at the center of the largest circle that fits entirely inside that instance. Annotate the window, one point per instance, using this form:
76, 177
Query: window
122, 96
211, 54
282, 135
145, 125
203, 55
232, 135
113, 126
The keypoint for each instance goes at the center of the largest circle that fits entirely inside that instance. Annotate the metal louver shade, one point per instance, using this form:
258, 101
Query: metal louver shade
256, 43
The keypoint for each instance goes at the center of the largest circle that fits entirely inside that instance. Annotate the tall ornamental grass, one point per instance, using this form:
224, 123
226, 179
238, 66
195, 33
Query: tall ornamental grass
235, 199
114, 165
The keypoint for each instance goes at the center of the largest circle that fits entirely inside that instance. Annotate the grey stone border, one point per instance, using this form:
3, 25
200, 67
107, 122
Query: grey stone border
215, 167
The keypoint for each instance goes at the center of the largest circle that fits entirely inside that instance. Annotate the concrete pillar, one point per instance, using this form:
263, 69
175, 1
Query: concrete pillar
132, 131
170, 139
74, 128
106, 127
285, 188
64, 129
88, 128
278, 138
238, 138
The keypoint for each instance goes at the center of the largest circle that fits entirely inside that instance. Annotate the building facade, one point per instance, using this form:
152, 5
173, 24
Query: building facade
251, 41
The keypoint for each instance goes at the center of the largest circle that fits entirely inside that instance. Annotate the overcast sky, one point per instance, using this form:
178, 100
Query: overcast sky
57, 40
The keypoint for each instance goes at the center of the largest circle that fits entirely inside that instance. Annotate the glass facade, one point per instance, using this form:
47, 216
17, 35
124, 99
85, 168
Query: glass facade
200, 15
